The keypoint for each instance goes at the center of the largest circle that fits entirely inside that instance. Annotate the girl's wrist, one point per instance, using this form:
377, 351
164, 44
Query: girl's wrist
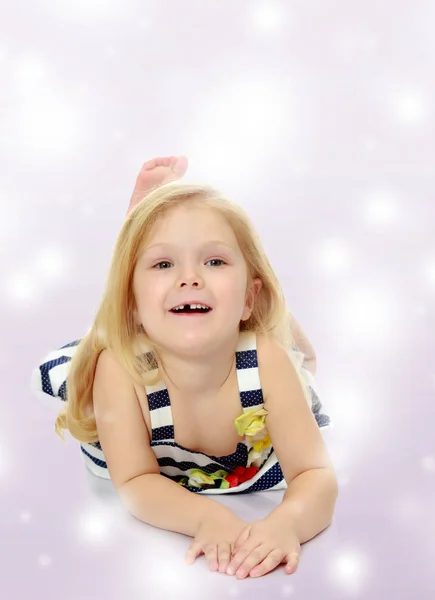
215, 511
283, 517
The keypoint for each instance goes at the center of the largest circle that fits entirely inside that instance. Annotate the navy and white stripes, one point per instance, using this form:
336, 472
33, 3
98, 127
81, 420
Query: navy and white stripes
174, 460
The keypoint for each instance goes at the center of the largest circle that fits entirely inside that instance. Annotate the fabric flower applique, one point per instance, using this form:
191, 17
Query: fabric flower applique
252, 424
219, 479
201, 479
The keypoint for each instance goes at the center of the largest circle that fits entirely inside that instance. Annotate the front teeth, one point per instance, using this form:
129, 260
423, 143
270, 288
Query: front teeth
191, 306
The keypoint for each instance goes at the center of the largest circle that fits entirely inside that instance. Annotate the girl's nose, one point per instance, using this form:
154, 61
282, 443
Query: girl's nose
193, 281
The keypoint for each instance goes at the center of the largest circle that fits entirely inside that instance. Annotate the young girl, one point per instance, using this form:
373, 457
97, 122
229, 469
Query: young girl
189, 381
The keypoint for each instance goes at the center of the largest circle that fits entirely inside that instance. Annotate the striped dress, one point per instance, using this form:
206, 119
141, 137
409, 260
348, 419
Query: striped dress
196, 471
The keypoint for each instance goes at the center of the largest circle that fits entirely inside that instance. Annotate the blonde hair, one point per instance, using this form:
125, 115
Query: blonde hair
115, 326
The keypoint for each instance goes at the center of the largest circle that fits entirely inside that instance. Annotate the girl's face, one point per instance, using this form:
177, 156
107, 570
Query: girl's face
192, 257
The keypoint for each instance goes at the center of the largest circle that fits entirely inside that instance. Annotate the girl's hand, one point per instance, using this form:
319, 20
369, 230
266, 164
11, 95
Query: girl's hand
262, 546
215, 539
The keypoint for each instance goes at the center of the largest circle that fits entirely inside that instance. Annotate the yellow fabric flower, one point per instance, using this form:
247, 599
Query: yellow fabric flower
251, 422
260, 445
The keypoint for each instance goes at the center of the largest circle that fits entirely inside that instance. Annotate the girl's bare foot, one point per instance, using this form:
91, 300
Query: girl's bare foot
155, 172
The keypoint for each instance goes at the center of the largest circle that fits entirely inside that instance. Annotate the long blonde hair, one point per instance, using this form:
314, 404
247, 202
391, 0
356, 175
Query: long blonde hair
115, 327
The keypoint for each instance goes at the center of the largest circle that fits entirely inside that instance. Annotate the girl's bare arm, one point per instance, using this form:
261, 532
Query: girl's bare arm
134, 470
309, 500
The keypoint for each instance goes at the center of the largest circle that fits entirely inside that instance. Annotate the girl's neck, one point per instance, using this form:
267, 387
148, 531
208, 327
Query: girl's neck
201, 376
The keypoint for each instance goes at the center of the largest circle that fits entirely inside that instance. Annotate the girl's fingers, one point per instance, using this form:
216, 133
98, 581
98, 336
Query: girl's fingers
272, 560
210, 552
292, 560
241, 555
254, 558
224, 556
241, 539
194, 551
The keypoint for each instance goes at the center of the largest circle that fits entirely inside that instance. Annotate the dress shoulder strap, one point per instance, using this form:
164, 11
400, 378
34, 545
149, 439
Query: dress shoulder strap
159, 405
248, 376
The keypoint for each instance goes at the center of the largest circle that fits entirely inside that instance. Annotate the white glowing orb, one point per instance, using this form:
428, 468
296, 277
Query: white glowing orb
428, 463
144, 24
95, 526
22, 286
30, 71
411, 107
370, 43
381, 208
367, 314
88, 10
369, 145
88, 211
51, 264
46, 125
300, 168
334, 255
112, 52
66, 198
238, 124
119, 135
3, 462
345, 45
349, 570
44, 560
408, 508
287, 590
25, 516
267, 17
176, 583
351, 411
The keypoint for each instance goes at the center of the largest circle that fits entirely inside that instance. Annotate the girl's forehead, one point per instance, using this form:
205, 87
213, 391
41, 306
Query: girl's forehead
190, 218
200, 229
193, 209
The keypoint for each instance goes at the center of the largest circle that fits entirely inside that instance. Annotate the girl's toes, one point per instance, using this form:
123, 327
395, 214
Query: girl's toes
153, 163
180, 165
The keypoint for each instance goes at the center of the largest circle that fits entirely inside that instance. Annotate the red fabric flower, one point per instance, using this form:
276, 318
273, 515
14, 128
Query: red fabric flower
240, 475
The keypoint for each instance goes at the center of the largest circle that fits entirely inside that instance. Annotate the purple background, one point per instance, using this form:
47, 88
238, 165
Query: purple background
317, 117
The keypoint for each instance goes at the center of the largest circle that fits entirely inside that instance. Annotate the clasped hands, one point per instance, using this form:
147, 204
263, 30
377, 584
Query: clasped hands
235, 547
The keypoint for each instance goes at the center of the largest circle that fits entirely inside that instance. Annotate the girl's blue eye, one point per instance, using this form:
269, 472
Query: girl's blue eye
165, 262
219, 260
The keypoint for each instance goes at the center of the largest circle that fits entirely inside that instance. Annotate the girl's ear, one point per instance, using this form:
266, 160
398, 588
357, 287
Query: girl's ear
251, 295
